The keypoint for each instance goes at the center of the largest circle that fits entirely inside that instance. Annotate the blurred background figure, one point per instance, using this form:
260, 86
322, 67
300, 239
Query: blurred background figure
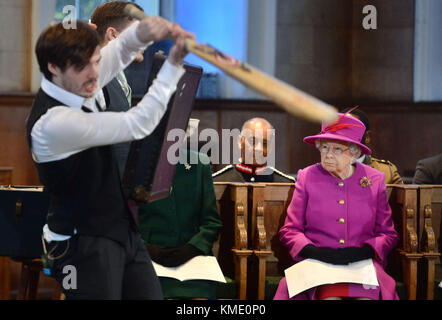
429, 171
388, 168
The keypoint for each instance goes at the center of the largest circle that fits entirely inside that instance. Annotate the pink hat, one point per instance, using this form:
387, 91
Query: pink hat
347, 128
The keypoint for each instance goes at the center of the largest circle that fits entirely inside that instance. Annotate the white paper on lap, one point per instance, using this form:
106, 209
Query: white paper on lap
198, 268
311, 273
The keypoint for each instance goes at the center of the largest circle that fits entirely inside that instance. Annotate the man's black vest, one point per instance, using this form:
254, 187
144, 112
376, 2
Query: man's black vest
116, 101
85, 188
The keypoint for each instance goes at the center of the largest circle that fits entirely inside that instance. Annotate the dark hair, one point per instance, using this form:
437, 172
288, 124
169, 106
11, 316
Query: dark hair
66, 47
111, 14
361, 115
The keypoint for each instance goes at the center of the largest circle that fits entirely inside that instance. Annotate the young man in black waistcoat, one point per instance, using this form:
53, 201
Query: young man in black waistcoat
90, 234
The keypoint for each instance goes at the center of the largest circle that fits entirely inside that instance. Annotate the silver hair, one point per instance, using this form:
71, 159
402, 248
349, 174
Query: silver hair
354, 149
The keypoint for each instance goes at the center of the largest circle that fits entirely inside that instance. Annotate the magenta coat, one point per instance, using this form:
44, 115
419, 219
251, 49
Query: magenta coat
329, 212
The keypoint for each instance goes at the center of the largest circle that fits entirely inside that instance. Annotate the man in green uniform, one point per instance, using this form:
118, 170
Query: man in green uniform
256, 139
388, 168
183, 226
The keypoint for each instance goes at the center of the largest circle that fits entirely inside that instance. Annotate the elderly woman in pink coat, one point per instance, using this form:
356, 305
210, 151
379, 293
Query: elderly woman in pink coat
340, 214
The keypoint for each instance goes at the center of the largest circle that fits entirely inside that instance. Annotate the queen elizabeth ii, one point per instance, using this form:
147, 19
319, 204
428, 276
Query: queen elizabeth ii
339, 214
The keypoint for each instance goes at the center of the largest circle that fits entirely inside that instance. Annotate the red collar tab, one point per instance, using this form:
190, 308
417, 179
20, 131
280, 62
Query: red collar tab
244, 168
249, 170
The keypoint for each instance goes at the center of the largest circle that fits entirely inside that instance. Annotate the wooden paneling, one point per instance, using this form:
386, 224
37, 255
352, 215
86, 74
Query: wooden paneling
14, 150
402, 132
5, 175
323, 49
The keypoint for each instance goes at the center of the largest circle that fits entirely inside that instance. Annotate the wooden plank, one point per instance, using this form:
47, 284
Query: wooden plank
5, 264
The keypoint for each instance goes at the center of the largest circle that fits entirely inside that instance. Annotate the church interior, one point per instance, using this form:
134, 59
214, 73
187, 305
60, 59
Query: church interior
383, 56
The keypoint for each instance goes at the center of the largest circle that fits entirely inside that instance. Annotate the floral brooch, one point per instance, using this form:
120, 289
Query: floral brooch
365, 182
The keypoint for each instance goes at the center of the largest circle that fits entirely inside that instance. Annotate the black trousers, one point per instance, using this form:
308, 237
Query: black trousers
98, 268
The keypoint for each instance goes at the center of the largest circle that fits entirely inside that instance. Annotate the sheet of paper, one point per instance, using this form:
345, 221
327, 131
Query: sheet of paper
311, 273
198, 268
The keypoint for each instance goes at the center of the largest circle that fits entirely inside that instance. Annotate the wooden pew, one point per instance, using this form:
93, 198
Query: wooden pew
268, 207
232, 249
430, 209
403, 261
269, 204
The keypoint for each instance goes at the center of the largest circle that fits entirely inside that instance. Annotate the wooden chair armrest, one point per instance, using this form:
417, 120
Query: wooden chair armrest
410, 256
240, 225
260, 226
428, 244
411, 244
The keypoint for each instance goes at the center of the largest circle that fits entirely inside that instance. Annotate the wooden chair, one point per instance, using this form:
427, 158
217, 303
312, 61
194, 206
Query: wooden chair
29, 280
430, 209
5, 263
268, 204
403, 261
231, 249
30, 274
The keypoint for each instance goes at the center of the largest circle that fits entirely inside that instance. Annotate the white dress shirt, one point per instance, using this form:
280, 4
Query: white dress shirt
67, 130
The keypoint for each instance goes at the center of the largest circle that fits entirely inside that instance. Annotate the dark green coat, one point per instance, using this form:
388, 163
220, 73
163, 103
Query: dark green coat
188, 216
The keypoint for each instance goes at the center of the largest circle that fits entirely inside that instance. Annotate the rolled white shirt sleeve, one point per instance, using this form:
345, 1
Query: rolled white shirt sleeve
63, 131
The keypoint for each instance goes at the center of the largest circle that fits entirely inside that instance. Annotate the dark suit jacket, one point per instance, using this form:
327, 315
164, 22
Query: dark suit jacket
116, 101
429, 171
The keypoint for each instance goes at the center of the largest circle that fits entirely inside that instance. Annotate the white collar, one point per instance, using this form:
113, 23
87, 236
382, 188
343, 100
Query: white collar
361, 159
68, 98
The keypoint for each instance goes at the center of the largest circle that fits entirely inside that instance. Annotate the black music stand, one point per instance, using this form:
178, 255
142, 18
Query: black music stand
23, 213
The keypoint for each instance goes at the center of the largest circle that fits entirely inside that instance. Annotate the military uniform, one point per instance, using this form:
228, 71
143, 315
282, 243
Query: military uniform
389, 169
188, 216
244, 173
